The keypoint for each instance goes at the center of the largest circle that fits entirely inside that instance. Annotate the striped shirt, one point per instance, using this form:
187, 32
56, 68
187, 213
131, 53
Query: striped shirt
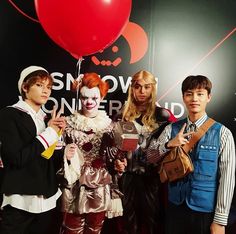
226, 166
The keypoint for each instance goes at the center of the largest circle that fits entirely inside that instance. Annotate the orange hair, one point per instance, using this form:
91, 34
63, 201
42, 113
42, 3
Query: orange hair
92, 80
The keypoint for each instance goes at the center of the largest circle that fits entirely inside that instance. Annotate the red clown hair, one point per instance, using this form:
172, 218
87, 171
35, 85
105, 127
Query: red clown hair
92, 80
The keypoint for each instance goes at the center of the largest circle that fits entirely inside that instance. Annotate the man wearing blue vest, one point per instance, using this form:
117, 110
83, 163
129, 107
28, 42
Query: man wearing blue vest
200, 202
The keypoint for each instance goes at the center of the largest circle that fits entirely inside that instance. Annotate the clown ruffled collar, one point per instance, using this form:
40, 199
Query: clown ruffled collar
83, 123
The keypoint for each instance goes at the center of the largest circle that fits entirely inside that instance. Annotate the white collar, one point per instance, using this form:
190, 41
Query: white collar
81, 122
24, 106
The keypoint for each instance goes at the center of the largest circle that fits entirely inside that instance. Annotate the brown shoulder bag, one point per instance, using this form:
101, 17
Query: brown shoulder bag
177, 163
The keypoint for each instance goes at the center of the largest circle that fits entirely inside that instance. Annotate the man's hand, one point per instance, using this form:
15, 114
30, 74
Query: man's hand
70, 151
217, 228
120, 165
57, 122
180, 139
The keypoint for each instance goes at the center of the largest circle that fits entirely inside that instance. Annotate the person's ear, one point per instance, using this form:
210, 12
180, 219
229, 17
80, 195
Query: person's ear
209, 97
24, 88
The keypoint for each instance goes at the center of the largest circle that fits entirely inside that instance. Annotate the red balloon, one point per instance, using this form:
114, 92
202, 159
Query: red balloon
83, 27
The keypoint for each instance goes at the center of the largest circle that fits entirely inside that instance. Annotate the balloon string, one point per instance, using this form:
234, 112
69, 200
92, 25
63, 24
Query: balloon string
23, 13
78, 79
78, 67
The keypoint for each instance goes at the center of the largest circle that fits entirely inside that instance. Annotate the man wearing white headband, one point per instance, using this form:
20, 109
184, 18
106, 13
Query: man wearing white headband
29, 184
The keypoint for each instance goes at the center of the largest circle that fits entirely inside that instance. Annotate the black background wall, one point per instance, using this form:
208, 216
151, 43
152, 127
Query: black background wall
172, 39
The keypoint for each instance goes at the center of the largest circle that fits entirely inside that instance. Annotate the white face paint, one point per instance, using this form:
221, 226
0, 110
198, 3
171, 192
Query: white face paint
90, 100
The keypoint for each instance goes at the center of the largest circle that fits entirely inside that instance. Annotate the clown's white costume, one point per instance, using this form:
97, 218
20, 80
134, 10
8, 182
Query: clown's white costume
89, 194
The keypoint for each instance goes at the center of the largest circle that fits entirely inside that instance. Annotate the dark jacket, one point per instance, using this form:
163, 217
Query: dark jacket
25, 171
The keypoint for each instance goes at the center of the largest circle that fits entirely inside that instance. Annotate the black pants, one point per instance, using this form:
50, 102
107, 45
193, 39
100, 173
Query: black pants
183, 220
16, 221
141, 203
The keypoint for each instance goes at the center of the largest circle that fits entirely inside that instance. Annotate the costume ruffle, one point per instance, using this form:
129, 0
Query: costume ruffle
80, 122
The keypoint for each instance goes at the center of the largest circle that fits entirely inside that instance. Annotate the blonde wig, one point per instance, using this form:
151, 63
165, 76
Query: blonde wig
131, 112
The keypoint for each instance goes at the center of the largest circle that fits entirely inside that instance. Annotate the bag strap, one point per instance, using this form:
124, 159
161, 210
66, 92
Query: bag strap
197, 135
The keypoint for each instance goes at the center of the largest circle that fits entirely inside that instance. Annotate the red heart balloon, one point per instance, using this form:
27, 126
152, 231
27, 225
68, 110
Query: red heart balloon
83, 27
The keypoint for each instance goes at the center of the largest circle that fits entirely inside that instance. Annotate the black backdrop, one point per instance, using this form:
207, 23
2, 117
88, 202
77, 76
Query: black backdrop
174, 38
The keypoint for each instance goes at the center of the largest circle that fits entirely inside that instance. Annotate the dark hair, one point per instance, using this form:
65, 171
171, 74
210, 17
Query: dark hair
33, 78
196, 82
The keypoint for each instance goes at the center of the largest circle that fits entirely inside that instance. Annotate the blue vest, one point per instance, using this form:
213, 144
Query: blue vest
199, 188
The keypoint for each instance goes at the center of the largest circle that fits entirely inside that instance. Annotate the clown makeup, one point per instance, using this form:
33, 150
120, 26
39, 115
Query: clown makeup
90, 100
